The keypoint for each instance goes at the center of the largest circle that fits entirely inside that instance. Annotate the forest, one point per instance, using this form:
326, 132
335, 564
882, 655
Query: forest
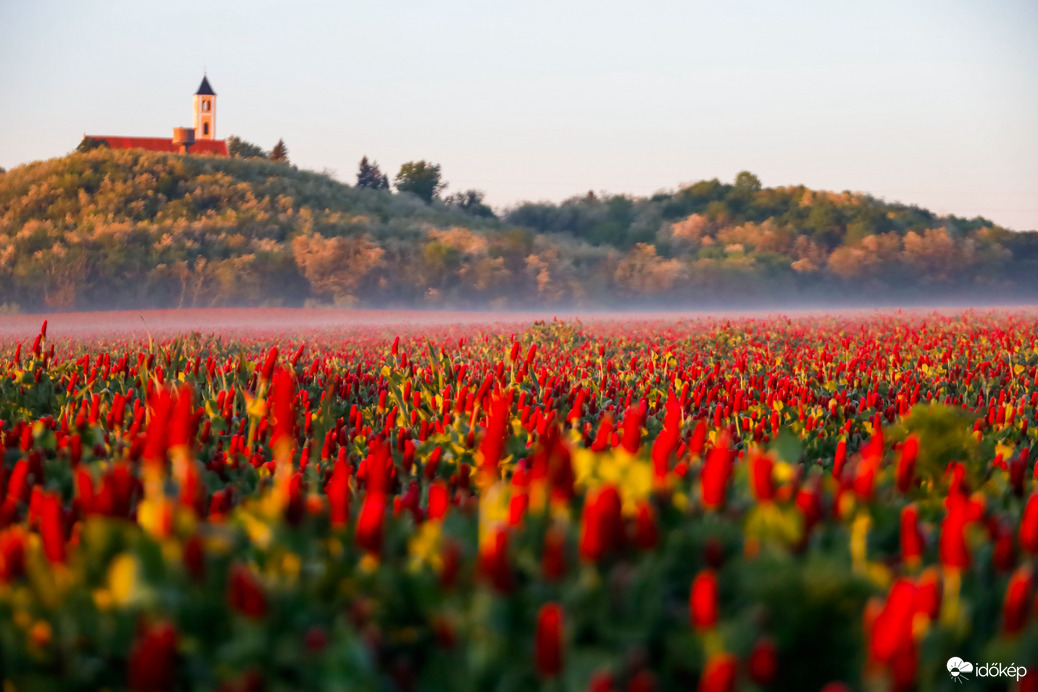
104, 229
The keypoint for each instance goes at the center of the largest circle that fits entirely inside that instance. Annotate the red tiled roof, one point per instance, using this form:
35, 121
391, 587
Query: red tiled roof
202, 146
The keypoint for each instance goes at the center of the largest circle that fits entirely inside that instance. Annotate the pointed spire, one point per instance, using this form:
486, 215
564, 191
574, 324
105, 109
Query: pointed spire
204, 89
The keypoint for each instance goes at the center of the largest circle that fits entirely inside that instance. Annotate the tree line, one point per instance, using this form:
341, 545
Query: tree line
126, 228
420, 178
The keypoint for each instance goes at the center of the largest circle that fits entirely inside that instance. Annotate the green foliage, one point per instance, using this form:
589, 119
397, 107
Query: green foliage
127, 228
240, 149
747, 182
90, 143
813, 605
471, 202
369, 175
945, 435
420, 178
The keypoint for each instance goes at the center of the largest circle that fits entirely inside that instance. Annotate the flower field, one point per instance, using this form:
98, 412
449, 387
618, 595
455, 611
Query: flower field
809, 503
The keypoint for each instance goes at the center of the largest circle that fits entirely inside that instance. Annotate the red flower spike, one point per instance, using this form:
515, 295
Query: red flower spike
338, 491
52, 529
439, 500
634, 419
667, 441
494, 563
451, 564
911, 537
268, 364
492, 446
603, 439
892, 630
906, 464
703, 601
903, 667
601, 525
763, 662
245, 593
642, 681
928, 594
517, 507
646, 532
75, 449
315, 640
719, 674
156, 443
553, 560
282, 394
182, 418
1017, 602
1003, 555
194, 557
868, 467
12, 554
297, 355
548, 642
761, 468
1029, 526
377, 468
840, 459
716, 471
370, 523
152, 663
698, 440
600, 682
952, 547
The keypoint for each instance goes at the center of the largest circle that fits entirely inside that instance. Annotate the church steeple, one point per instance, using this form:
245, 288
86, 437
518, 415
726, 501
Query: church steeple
204, 89
205, 111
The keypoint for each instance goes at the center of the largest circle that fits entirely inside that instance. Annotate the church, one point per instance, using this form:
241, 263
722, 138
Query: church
201, 139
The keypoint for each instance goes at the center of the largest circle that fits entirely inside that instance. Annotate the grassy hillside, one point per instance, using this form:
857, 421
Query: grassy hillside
133, 229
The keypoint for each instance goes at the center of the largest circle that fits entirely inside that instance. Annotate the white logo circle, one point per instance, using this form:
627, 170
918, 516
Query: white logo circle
958, 668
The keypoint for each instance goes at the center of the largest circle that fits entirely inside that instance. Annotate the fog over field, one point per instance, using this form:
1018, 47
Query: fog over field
266, 322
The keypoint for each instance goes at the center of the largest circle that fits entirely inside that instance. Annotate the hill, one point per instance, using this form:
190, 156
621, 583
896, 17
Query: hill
119, 229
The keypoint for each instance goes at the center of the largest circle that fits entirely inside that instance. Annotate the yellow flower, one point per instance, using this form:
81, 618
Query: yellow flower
494, 506
859, 541
291, 565
680, 500
632, 475
772, 524
1005, 450
258, 530
784, 472
123, 575
424, 546
255, 406
368, 563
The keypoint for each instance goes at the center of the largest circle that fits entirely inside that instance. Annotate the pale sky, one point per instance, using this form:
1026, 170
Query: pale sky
929, 102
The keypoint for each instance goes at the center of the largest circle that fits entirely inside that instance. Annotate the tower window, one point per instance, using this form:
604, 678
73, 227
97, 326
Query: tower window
205, 105
205, 128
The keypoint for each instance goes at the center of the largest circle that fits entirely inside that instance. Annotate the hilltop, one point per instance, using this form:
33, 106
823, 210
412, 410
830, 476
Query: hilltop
118, 229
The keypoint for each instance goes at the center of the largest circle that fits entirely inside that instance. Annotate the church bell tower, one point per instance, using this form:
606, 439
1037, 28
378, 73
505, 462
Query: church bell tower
205, 111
